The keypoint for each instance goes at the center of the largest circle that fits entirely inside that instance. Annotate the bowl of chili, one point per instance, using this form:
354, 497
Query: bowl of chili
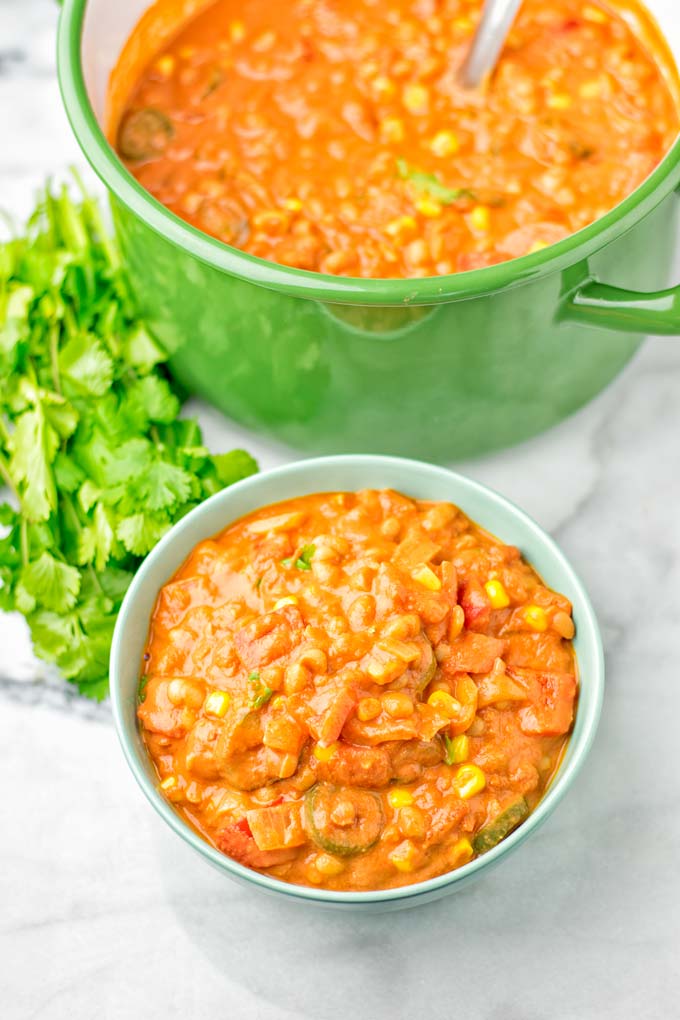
158, 740
429, 362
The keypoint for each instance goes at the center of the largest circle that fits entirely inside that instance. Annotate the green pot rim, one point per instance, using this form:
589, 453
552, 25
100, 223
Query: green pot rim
322, 286
327, 468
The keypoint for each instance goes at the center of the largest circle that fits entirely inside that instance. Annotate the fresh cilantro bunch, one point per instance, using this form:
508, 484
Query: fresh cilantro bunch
91, 446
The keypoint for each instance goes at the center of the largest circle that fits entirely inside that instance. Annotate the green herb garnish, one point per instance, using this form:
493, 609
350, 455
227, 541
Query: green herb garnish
430, 185
260, 692
97, 460
304, 560
141, 690
286, 563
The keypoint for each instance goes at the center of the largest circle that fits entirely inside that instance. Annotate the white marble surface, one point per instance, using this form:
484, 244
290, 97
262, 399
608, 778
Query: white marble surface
104, 913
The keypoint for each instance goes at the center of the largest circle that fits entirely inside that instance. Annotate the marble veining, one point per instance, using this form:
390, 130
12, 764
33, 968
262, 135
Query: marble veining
104, 912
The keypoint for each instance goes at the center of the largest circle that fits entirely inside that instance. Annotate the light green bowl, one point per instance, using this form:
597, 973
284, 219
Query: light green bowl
351, 472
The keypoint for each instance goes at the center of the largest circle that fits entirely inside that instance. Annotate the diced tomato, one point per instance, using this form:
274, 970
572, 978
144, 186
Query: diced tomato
237, 841
475, 604
472, 653
277, 826
552, 698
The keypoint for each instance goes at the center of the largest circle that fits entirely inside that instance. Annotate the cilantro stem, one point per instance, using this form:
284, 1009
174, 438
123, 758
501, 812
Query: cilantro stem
23, 536
91, 209
54, 358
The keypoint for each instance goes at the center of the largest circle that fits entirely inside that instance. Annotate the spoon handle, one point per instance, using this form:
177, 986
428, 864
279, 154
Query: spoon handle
497, 17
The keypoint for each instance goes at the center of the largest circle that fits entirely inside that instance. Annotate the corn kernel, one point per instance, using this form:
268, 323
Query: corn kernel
324, 753
445, 702
537, 246
461, 852
165, 65
459, 749
237, 31
293, 204
368, 708
278, 702
444, 143
498, 596
480, 218
469, 780
594, 14
217, 703
428, 207
287, 600
590, 89
328, 866
559, 101
270, 219
402, 224
392, 130
403, 857
169, 783
416, 98
400, 798
463, 24
536, 617
426, 576
383, 86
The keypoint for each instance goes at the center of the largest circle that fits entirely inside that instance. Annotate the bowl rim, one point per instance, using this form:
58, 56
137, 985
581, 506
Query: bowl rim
587, 625
323, 286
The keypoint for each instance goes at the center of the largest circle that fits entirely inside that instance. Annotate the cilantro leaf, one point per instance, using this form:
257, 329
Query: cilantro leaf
155, 397
430, 185
141, 350
51, 583
232, 467
165, 485
85, 369
449, 756
32, 446
140, 532
304, 560
260, 693
99, 464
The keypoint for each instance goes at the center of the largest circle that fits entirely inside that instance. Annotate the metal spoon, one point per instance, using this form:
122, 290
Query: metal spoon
497, 19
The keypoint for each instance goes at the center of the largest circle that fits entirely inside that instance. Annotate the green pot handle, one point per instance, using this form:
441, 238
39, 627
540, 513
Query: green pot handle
628, 311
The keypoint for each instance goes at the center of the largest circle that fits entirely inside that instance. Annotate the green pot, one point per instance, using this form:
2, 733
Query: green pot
352, 472
439, 367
